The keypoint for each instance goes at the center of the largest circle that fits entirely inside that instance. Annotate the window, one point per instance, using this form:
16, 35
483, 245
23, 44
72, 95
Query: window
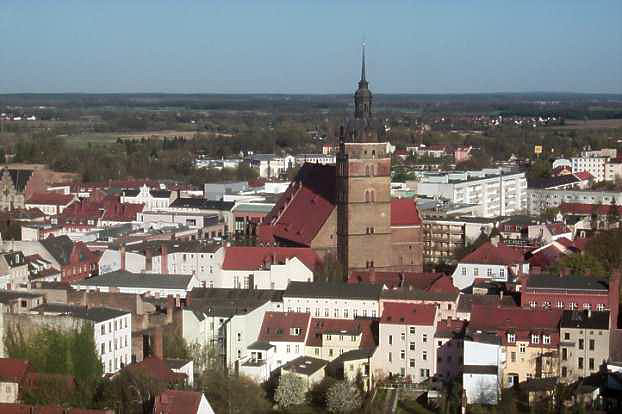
411, 363
532, 304
330, 352
317, 312
345, 313
326, 314
424, 338
600, 307
390, 339
546, 339
412, 346
292, 331
564, 354
513, 356
591, 345
402, 354
502, 273
403, 336
511, 337
521, 348
476, 272
566, 336
463, 271
288, 349
390, 357
412, 330
564, 372
103, 330
317, 351
535, 339
591, 364
581, 343
560, 304
580, 363
336, 313
239, 337
424, 355
297, 348
573, 306
103, 348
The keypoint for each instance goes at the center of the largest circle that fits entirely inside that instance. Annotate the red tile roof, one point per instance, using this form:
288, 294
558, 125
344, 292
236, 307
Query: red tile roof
255, 258
487, 317
177, 402
320, 326
51, 198
487, 253
584, 175
13, 370
428, 281
122, 212
558, 228
447, 327
157, 369
561, 169
278, 327
546, 257
404, 212
587, 209
408, 313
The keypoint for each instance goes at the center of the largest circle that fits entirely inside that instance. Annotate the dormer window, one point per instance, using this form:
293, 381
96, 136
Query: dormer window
511, 337
294, 331
535, 339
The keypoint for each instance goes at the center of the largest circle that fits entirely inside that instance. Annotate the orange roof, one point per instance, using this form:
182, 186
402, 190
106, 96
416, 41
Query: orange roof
584, 175
177, 402
320, 326
487, 253
408, 313
157, 369
13, 370
277, 326
51, 198
254, 258
404, 212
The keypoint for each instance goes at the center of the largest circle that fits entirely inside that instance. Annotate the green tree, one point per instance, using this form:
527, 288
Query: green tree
230, 393
605, 248
291, 391
539, 169
343, 397
580, 264
175, 346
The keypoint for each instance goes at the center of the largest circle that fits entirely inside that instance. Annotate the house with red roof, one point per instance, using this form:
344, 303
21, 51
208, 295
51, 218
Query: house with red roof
406, 341
12, 374
181, 402
266, 267
449, 340
530, 339
331, 338
491, 261
49, 202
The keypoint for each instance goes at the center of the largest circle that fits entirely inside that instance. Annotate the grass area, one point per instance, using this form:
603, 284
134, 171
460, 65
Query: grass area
410, 406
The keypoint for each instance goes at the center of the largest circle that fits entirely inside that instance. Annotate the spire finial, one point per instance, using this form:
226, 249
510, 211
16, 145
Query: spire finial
363, 65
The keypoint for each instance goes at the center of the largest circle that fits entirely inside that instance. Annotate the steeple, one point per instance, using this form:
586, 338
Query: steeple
362, 96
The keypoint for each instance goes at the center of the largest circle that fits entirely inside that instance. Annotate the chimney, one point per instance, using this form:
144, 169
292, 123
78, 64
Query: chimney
164, 259
402, 279
500, 296
122, 254
157, 346
372, 275
139, 306
494, 241
170, 304
148, 260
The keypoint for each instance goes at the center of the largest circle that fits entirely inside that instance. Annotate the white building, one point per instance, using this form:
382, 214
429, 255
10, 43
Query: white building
594, 165
152, 199
287, 333
315, 158
541, 199
406, 340
50, 203
270, 165
333, 300
112, 329
613, 171
497, 193
153, 284
483, 360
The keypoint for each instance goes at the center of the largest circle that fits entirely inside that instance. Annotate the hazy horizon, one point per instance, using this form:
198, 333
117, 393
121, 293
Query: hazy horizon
310, 48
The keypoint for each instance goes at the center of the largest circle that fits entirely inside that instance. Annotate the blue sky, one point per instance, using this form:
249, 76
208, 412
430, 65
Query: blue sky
313, 46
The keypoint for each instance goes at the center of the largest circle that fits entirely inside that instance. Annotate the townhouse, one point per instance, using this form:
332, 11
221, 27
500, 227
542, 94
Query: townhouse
484, 358
152, 199
333, 300
449, 346
50, 203
328, 339
406, 341
287, 332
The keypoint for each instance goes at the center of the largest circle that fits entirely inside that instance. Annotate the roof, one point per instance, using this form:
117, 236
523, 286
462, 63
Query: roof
20, 178
367, 328
587, 209
121, 278
481, 369
51, 198
173, 246
584, 175
305, 365
260, 346
13, 370
585, 319
8, 296
255, 258
572, 282
466, 301
407, 293
305, 206
177, 402
228, 302
408, 313
59, 247
552, 182
558, 228
284, 327
360, 291
418, 280
539, 384
404, 212
450, 328
356, 354
487, 253
487, 317
157, 369
202, 204
95, 314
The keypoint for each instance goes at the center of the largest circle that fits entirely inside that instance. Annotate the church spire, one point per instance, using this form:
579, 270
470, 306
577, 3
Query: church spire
362, 96
363, 65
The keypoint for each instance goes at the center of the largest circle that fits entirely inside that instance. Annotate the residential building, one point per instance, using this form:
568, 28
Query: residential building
287, 332
13, 270
330, 338
181, 402
497, 193
584, 345
542, 199
216, 191
484, 358
12, 374
50, 203
195, 208
595, 165
152, 284
310, 369
444, 299
449, 346
152, 199
333, 300
112, 331
613, 170
271, 165
324, 159
406, 340
492, 262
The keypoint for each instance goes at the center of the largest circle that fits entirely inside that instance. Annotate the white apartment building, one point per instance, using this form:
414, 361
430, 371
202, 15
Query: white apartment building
333, 300
484, 358
315, 158
112, 329
497, 193
152, 199
541, 199
270, 165
613, 171
406, 340
594, 165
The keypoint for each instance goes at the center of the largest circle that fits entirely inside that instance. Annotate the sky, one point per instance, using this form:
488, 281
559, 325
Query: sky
311, 46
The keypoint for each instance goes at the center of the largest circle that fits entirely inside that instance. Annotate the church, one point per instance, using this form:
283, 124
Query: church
346, 209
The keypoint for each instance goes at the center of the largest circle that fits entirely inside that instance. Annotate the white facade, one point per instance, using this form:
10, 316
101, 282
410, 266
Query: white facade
539, 200
332, 308
482, 386
140, 290
466, 273
315, 159
496, 194
49, 209
271, 166
594, 165
113, 341
406, 350
145, 197
613, 171
276, 277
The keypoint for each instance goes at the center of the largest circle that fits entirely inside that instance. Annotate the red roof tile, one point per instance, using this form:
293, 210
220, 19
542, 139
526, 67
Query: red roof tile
546, 257
408, 313
487, 317
429, 281
587, 209
51, 198
584, 175
255, 258
157, 369
558, 228
177, 402
320, 326
13, 370
404, 212
278, 327
487, 253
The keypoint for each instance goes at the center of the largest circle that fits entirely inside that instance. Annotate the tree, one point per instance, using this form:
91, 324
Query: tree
330, 270
539, 169
233, 394
580, 264
343, 397
605, 248
175, 346
291, 391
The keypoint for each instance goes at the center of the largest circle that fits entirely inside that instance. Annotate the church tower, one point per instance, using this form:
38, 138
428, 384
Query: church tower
363, 188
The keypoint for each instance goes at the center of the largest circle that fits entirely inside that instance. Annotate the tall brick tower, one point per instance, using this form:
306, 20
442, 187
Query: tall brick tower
363, 188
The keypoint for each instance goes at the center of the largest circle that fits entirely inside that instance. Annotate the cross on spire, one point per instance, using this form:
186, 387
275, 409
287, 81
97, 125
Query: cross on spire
363, 64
